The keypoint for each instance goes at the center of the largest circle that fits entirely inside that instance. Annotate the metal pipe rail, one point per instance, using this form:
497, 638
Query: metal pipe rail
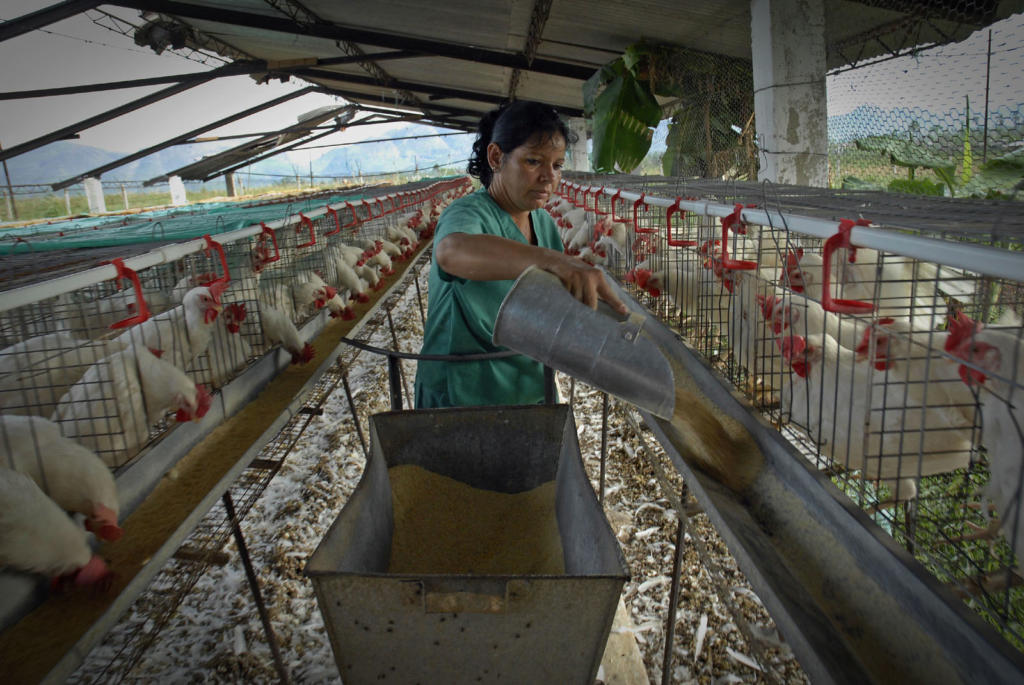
30, 294
980, 259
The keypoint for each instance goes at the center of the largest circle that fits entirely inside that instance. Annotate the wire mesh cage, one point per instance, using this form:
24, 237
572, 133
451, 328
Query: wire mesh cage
894, 372
114, 363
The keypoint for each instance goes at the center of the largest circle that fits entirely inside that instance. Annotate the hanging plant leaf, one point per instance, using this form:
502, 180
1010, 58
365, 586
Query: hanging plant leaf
625, 113
854, 183
1001, 174
906, 153
592, 86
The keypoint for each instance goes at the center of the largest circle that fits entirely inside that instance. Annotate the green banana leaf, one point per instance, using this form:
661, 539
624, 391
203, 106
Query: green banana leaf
854, 183
624, 114
906, 153
998, 175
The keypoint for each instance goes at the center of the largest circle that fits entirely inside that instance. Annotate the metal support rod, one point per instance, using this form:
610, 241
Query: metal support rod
355, 414
550, 393
910, 522
988, 73
604, 445
11, 206
113, 113
394, 382
275, 151
98, 171
250, 574
572, 391
673, 593
243, 67
419, 300
394, 341
44, 17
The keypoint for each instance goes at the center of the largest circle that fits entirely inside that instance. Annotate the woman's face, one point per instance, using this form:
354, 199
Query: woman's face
525, 178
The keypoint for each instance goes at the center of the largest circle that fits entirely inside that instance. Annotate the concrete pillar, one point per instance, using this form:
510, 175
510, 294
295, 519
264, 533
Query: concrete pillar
578, 159
788, 51
229, 183
67, 201
124, 196
94, 195
178, 197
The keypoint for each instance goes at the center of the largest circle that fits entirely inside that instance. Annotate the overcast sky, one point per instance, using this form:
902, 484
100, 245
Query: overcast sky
76, 51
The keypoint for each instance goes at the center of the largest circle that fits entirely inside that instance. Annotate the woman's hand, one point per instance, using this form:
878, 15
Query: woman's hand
493, 258
586, 283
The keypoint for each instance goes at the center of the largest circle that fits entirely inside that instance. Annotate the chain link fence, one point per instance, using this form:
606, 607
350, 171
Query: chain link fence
711, 132
947, 120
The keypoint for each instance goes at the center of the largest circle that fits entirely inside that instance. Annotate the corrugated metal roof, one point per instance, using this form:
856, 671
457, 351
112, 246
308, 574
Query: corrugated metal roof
213, 165
466, 51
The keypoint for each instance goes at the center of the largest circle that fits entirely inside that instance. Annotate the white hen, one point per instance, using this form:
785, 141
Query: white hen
861, 419
37, 536
72, 475
996, 356
35, 373
228, 351
181, 334
112, 408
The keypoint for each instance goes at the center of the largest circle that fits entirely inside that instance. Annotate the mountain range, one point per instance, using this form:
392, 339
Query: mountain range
65, 159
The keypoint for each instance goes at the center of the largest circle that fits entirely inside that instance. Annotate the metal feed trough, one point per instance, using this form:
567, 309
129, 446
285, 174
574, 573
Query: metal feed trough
465, 628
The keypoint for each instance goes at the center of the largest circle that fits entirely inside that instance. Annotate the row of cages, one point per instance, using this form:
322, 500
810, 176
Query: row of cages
899, 376
95, 370
176, 224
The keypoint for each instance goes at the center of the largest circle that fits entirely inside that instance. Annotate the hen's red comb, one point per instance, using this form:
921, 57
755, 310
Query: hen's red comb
961, 327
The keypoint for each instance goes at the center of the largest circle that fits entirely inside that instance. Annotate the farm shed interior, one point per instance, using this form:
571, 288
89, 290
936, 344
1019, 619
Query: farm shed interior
544, 51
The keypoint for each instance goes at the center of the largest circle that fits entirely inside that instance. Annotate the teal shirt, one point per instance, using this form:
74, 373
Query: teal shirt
462, 313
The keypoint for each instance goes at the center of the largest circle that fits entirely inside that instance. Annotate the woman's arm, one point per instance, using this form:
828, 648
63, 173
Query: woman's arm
493, 258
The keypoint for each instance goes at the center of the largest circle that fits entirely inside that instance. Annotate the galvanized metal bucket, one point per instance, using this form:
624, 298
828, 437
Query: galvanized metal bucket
541, 319
458, 628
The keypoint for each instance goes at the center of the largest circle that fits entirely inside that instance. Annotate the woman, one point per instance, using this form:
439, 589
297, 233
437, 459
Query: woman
482, 243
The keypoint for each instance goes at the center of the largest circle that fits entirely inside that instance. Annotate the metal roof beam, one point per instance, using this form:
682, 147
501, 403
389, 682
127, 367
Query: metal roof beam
538, 18
241, 67
272, 153
440, 92
359, 35
262, 143
45, 17
111, 114
179, 139
443, 109
418, 118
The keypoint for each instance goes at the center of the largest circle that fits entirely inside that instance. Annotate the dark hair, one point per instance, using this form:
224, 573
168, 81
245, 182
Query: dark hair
511, 125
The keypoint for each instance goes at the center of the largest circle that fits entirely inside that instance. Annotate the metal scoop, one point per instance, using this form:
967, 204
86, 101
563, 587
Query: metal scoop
541, 319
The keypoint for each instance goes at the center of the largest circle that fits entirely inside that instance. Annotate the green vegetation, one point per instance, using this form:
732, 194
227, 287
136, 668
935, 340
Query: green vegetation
53, 206
935, 157
708, 97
